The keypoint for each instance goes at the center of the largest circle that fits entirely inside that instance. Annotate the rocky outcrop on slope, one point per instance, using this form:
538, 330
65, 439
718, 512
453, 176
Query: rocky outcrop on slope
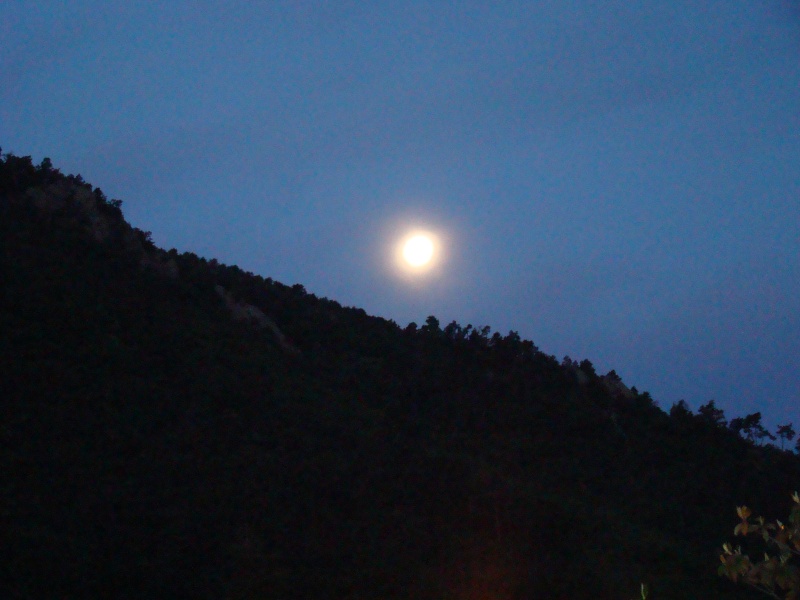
241, 311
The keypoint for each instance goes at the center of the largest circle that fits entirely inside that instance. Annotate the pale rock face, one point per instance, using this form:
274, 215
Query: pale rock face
616, 387
87, 204
50, 198
241, 311
57, 196
79, 205
168, 269
582, 377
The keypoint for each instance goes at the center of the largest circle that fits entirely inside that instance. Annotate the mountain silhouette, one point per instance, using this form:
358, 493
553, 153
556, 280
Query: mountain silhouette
173, 427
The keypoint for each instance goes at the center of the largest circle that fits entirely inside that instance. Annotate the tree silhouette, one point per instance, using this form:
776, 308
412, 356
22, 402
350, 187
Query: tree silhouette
712, 415
752, 429
786, 433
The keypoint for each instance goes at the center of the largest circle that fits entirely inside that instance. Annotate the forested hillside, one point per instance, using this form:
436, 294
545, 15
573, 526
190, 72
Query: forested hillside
176, 428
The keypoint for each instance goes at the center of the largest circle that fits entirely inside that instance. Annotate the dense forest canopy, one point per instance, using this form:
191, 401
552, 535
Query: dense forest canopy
176, 427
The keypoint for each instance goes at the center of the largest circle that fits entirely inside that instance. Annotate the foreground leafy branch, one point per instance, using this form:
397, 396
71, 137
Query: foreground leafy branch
775, 575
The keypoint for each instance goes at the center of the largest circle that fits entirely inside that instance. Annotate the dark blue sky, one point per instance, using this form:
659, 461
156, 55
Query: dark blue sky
616, 180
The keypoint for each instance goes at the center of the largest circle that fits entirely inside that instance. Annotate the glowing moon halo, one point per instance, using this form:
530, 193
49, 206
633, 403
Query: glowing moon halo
418, 250
418, 254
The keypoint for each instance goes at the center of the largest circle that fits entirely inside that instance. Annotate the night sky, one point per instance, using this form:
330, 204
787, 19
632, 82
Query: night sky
615, 180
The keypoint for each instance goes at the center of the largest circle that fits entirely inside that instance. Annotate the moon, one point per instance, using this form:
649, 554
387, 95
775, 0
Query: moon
418, 250
418, 254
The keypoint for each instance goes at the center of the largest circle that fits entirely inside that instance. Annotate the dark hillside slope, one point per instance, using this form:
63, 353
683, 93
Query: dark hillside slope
172, 427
